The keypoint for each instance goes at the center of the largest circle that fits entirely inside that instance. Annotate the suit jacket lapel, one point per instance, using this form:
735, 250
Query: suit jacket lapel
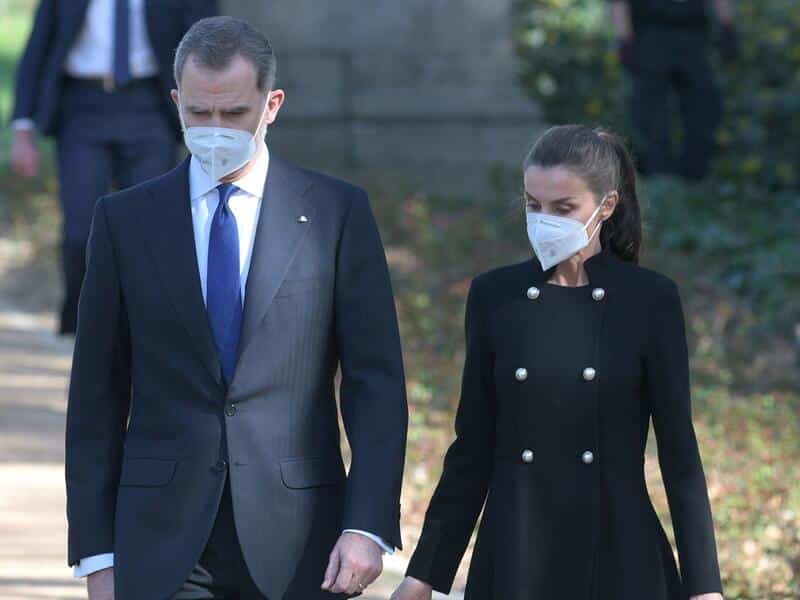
171, 237
76, 13
278, 236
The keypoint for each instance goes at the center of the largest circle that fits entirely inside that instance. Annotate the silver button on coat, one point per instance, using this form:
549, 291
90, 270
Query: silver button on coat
587, 457
521, 374
598, 294
589, 373
527, 456
533, 293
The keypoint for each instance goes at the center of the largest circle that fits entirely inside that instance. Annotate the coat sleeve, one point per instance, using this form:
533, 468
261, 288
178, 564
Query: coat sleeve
462, 489
32, 63
373, 395
667, 380
99, 400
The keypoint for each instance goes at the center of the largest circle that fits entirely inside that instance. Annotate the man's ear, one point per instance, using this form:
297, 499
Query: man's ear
175, 98
276, 100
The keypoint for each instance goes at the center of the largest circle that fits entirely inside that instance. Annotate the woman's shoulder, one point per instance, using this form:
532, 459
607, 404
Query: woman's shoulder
501, 279
645, 281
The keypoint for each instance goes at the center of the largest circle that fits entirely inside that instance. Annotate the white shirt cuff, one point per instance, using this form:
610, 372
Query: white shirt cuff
387, 549
23, 125
92, 564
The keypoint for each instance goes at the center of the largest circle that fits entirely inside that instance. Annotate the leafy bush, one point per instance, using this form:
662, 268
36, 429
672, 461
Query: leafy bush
568, 63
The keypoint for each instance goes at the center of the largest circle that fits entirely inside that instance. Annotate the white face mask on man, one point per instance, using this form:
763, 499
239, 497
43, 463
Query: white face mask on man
555, 239
221, 150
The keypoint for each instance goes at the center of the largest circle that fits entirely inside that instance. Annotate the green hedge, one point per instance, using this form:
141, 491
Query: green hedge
568, 63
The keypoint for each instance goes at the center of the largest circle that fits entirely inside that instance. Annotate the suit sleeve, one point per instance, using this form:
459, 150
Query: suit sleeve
462, 489
32, 63
99, 400
667, 373
373, 395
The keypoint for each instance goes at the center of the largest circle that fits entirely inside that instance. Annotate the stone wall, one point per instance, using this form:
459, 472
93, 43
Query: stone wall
418, 91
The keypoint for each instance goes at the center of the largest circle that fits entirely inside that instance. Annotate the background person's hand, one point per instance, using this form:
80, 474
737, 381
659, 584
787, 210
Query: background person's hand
24, 153
413, 589
101, 584
355, 562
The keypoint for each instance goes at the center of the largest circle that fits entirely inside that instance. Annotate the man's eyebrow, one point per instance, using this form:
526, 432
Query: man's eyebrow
240, 108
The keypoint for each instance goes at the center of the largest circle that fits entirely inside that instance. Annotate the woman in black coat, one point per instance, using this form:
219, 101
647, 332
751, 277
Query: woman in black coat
568, 358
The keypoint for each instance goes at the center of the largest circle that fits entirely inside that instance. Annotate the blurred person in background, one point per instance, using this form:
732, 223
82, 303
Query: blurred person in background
664, 46
96, 76
569, 356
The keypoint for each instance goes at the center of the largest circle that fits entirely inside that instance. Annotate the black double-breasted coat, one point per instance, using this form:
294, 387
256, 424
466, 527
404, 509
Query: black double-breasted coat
559, 387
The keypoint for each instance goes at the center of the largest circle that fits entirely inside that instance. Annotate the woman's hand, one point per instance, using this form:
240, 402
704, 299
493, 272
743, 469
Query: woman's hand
714, 596
413, 589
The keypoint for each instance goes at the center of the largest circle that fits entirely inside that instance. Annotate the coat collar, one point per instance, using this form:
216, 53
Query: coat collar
599, 268
170, 233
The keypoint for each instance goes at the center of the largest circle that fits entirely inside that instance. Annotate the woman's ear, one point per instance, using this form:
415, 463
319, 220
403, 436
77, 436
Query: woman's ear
610, 205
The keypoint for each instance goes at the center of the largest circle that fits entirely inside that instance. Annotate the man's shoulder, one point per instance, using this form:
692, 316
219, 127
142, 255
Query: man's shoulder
131, 198
324, 183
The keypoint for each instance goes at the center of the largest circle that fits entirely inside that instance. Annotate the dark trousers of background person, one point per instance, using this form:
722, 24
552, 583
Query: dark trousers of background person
222, 573
673, 59
105, 139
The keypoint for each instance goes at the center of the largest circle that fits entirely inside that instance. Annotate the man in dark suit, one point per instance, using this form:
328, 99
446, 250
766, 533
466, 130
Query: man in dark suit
203, 451
96, 75
664, 46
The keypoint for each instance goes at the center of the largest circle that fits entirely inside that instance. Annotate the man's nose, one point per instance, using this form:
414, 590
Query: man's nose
215, 120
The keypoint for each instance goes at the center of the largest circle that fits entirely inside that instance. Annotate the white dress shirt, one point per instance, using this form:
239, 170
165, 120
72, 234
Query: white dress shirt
92, 54
245, 203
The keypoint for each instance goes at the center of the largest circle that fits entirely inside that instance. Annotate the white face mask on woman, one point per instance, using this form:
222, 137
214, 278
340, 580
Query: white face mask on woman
555, 239
222, 150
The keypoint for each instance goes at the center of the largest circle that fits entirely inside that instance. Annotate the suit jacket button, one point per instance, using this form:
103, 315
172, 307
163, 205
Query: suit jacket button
521, 374
527, 456
598, 294
589, 373
220, 466
533, 293
587, 457
230, 410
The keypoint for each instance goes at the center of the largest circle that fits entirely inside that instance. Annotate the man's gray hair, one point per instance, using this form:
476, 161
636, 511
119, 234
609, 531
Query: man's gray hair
215, 41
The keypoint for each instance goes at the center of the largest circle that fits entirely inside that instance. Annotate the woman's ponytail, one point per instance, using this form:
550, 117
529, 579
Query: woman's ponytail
622, 233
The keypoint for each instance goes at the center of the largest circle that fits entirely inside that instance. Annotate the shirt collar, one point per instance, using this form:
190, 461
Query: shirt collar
200, 182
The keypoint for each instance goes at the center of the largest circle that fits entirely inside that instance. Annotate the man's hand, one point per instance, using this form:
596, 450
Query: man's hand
714, 596
355, 562
25, 153
413, 589
101, 584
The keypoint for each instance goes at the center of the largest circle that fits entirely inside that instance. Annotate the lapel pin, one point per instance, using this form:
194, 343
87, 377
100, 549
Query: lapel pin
302, 219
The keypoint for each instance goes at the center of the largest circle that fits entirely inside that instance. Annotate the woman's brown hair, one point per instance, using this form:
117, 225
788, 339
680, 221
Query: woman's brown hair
601, 159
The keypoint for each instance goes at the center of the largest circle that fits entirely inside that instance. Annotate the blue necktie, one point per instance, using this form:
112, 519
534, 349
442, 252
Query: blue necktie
122, 58
224, 288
